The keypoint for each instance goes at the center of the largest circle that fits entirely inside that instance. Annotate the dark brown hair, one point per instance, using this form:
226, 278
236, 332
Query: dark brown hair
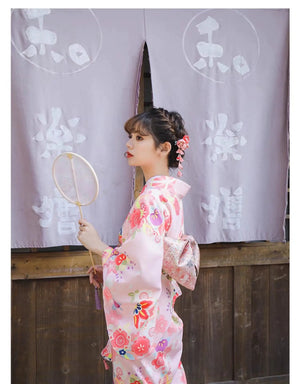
162, 125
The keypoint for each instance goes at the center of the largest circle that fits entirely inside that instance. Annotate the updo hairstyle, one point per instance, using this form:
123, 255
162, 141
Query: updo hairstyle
163, 126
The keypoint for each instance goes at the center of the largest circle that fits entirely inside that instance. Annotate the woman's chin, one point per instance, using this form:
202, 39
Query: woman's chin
131, 161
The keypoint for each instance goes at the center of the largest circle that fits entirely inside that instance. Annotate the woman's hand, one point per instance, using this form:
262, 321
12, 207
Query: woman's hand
88, 237
96, 275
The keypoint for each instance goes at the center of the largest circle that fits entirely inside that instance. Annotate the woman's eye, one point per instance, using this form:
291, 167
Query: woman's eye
139, 138
129, 136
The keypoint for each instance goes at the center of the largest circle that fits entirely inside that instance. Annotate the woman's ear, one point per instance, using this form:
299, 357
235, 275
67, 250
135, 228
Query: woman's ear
166, 147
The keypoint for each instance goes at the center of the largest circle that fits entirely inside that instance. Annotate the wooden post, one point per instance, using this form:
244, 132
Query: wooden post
139, 177
242, 322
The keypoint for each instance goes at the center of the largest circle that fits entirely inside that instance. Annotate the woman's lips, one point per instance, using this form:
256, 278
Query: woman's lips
128, 154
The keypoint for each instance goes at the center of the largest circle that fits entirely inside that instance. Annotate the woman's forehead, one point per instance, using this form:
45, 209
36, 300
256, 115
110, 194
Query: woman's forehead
138, 128
140, 133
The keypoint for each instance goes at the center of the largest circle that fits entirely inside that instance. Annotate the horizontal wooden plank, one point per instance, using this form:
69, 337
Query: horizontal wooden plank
39, 265
50, 265
235, 254
281, 379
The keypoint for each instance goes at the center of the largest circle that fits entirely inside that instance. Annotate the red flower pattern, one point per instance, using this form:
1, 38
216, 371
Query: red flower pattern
138, 215
120, 259
141, 346
120, 339
163, 198
159, 361
135, 218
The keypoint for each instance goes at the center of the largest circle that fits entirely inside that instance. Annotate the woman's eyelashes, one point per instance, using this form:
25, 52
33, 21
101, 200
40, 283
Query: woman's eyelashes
137, 137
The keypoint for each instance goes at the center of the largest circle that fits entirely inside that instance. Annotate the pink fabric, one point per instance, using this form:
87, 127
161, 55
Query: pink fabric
145, 333
182, 260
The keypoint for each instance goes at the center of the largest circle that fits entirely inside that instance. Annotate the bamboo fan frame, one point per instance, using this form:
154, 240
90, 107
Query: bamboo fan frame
71, 156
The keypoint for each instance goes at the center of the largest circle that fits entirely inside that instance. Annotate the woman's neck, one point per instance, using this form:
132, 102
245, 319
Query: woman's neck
155, 171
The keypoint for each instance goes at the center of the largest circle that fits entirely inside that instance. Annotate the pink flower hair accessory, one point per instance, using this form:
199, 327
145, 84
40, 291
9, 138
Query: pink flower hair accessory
182, 145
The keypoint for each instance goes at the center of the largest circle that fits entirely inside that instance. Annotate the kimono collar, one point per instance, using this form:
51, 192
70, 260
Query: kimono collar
171, 184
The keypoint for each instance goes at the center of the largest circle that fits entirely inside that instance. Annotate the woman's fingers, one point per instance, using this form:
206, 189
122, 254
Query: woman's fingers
95, 269
95, 275
82, 226
94, 281
83, 222
91, 277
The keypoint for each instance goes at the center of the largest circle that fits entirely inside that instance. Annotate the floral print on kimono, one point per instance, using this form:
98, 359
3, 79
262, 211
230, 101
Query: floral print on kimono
145, 333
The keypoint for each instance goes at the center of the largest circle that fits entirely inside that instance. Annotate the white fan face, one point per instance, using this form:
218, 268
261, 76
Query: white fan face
75, 178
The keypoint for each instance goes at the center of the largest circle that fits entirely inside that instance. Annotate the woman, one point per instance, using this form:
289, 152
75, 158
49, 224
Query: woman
145, 333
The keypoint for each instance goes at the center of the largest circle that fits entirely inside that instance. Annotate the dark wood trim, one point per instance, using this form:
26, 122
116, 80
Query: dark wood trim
281, 379
41, 265
237, 254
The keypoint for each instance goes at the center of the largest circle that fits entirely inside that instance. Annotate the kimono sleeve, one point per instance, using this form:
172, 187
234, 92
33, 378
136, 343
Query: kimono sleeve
132, 280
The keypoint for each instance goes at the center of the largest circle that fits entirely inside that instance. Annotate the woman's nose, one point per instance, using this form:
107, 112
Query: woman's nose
129, 143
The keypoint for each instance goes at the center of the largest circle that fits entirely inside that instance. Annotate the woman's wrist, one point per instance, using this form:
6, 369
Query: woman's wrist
101, 247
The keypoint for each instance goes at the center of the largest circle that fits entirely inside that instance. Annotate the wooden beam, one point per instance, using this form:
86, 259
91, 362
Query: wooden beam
281, 379
238, 254
41, 265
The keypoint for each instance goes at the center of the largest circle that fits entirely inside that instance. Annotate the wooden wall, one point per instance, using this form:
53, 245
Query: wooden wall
235, 322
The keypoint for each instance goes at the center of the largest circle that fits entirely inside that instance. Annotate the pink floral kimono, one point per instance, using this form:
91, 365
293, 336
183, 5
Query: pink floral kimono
145, 333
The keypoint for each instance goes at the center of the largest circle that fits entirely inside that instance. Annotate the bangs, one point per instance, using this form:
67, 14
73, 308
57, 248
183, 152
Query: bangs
136, 125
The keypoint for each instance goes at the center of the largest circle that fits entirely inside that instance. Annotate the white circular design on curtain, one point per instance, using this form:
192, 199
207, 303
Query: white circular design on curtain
221, 45
59, 41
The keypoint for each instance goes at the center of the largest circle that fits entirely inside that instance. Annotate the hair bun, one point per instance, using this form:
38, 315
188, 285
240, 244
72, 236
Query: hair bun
178, 123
